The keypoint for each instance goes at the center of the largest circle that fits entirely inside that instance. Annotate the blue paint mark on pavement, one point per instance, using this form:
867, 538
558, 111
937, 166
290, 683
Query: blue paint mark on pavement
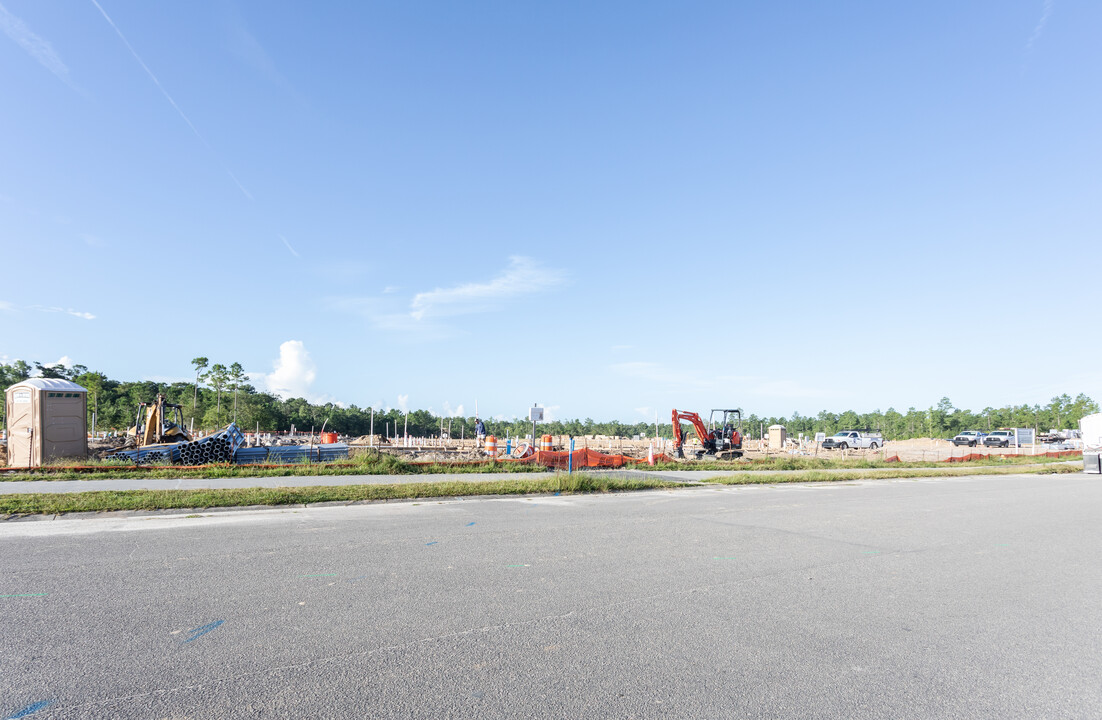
361, 577
201, 631
432, 543
28, 710
469, 524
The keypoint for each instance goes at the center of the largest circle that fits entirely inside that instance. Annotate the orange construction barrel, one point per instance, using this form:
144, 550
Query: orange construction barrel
545, 443
491, 446
328, 438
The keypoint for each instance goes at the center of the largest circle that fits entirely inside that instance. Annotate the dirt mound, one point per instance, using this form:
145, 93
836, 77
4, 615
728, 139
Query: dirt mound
369, 440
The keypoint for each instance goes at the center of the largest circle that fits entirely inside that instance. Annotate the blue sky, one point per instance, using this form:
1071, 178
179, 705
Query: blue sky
610, 209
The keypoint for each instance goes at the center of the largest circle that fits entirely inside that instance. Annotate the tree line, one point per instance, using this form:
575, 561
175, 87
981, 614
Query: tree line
221, 393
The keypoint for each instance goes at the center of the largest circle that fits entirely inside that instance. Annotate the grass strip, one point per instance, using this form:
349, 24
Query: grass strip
811, 463
382, 464
812, 476
101, 501
366, 464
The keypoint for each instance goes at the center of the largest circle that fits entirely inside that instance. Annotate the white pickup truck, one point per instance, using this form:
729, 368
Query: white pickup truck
854, 439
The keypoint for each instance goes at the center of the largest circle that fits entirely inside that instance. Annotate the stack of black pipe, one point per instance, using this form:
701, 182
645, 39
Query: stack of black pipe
216, 448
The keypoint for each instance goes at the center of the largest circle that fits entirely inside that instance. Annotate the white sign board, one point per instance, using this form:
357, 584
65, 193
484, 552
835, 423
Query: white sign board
535, 414
819, 437
21, 396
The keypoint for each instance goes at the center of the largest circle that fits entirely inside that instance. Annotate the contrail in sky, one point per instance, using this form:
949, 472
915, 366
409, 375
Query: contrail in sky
167, 96
39, 49
1040, 25
293, 251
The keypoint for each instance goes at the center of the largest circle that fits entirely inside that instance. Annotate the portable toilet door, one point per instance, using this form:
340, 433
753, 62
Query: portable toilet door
47, 420
20, 415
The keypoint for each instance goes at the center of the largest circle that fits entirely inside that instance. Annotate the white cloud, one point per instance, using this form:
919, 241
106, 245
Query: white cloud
293, 373
6, 306
523, 276
387, 315
448, 412
38, 48
647, 412
403, 403
67, 311
420, 320
64, 360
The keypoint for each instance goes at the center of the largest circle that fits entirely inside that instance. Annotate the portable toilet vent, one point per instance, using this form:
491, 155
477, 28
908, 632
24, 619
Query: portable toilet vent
47, 419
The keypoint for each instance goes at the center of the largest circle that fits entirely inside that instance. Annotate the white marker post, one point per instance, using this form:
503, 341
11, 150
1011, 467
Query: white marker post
535, 414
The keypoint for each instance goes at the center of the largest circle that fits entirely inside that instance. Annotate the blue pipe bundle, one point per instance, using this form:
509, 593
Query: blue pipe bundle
286, 454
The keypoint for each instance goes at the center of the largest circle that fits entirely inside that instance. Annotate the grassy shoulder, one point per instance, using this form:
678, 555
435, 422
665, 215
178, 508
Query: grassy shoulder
374, 463
361, 464
794, 462
98, 501
889, 474
582, 482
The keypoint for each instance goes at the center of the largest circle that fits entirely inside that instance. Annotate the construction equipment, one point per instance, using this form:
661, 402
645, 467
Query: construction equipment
152, 425
723, 439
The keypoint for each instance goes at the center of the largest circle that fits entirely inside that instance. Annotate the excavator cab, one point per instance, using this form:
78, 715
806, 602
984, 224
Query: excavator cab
727, 424
726, 427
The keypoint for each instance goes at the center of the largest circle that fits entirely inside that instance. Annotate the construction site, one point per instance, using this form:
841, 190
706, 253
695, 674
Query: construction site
46, 422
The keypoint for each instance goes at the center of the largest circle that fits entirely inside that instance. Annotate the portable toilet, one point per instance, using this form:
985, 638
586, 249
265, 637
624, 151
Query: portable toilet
47, 418
777, 436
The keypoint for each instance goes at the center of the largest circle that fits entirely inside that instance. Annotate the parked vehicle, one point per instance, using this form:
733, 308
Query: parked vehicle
971, 438
1001, 438
854, 439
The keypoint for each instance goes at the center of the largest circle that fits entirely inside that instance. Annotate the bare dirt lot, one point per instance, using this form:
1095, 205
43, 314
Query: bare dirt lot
914, 450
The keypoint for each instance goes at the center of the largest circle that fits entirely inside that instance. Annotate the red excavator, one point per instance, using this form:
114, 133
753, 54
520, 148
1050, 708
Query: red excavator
723, 440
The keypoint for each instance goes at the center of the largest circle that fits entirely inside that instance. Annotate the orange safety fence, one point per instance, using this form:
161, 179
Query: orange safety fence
985, 456
558, 460
584, 458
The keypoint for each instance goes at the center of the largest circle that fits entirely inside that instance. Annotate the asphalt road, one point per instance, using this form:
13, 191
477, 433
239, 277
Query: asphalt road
936, 598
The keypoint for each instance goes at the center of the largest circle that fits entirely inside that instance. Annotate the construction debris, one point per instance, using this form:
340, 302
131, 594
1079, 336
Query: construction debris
228, 446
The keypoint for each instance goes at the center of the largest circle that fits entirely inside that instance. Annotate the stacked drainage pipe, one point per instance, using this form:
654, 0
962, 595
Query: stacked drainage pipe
216, 448
149, 454
291, 454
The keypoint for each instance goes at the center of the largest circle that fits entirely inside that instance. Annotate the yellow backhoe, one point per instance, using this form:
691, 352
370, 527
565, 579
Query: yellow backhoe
153, 426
